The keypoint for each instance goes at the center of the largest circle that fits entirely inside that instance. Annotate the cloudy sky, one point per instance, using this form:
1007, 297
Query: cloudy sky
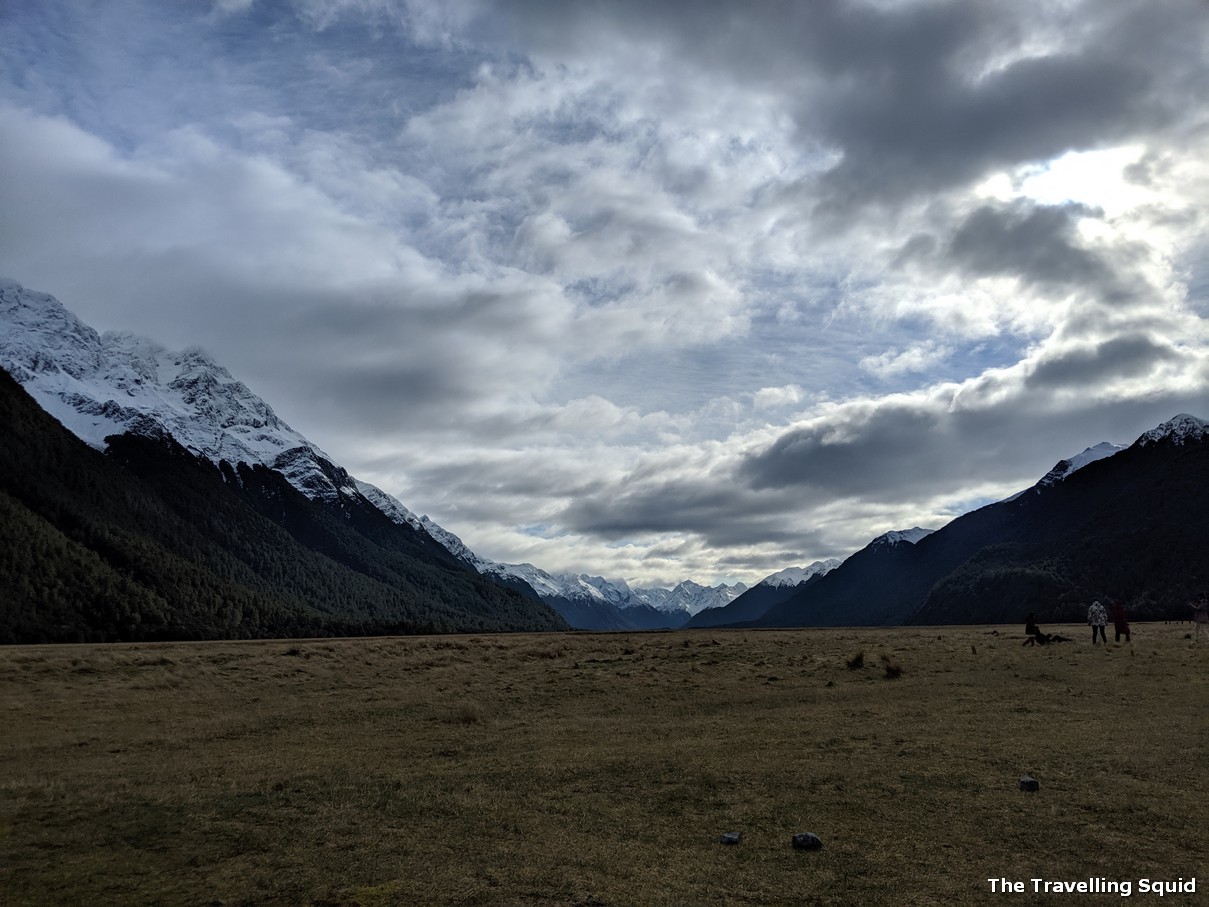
655, 290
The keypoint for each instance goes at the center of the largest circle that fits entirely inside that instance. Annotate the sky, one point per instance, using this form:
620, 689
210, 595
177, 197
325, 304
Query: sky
649, 290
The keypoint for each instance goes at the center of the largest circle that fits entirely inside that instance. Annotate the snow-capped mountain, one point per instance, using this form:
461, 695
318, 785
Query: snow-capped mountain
753, 602
1179, 430
590, 602
617, 592
687, 597
1183, 429
576, 587
902, 536
1064, 468
104, 384
693, 597
795, 576
98, 385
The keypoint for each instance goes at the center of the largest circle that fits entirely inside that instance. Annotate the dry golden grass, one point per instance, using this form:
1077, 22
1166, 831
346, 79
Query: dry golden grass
600, 769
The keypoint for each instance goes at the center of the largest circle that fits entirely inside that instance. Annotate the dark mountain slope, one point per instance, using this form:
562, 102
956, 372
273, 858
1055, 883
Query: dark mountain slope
646, 617
879, 585
1133, 527
589, 614
148, 541
750, 606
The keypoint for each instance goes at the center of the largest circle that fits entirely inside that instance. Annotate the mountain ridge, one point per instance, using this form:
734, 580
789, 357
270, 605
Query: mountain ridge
756, 601
146, 540
104, 384
118, 384
1042, 548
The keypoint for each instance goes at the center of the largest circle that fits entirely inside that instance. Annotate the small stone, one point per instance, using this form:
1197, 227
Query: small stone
731, 837
807, 840
1029, 783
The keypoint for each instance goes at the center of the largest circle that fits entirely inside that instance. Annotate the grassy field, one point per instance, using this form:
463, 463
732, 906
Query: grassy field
601, 769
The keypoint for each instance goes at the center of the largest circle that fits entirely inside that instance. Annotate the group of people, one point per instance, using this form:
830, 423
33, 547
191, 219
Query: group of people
1097, 619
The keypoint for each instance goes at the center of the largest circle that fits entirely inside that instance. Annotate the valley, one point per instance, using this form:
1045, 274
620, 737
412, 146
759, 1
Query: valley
148, 494
578, 768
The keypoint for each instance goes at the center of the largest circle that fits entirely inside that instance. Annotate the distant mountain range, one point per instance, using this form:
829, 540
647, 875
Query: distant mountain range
116, 384
166, 500
192, 511
760, 598
1120, 524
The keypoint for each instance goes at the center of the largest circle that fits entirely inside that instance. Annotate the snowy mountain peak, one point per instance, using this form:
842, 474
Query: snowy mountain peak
1180, 430
688, 596
794, 576
902, 536
42, 336
99, 385
617, 592
694, 597
1064, 468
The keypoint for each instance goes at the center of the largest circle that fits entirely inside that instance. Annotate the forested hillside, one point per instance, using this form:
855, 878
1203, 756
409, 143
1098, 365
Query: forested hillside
147, 541
1132, 528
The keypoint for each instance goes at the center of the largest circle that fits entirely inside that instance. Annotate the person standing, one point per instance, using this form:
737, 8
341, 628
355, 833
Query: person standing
1200, 617
1120, 622
1097, 617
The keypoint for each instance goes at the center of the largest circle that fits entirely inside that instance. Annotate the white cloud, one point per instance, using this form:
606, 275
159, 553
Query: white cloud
777, 397
918, 358
700, 292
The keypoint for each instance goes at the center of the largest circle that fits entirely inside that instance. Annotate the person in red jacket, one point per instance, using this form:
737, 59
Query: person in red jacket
1119, 621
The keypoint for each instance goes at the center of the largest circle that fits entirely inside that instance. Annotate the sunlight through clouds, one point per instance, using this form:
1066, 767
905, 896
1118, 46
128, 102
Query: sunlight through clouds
699, 289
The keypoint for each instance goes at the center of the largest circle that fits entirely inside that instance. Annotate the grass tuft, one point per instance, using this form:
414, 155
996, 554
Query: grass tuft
856, 660
469, 713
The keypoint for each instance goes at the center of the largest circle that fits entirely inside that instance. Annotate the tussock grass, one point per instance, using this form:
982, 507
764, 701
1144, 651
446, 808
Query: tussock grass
891, 668
597, 769
469, 713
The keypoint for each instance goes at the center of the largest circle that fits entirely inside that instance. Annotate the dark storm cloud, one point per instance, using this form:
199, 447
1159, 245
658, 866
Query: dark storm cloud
1129, 356
722, 514
903, 139
895, 453
1036, 243
890, 449
605, 283
927, 447
656, 505
912, 96
916, 116
863, 462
